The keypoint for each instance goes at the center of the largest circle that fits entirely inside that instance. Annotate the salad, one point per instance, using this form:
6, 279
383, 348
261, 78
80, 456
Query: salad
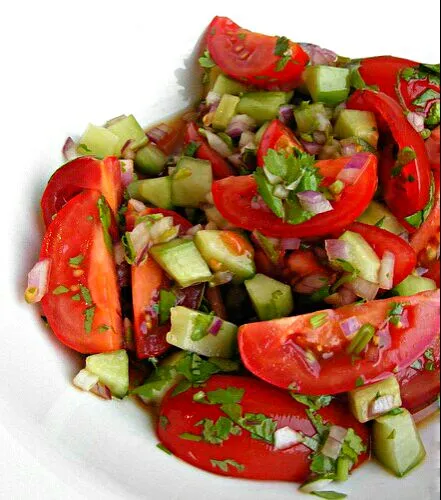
263, 271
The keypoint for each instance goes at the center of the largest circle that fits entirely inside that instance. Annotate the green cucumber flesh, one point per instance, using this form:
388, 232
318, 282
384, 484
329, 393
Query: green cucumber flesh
415, 284
154, 191
127, 129
327, 84
225, 111
98, 141
362, 256
191, 182
355, 123
150, 160
112, 369
263, 106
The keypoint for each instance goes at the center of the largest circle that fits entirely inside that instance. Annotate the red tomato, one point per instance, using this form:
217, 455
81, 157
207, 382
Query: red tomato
82, 305
234, 199
383, 72
381, 241
304, 263
221, 168
433, 148
79, 174
278, 137
251, 57
288, 352
420, 383
260, 460
407, 191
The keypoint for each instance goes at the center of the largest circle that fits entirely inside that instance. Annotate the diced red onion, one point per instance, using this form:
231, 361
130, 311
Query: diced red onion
350, 326
137, 205
343, 297
311, 283
380, 406
158, 133
312, 148
416, 120
290, 243
319, 137
286, 114
102, 391
218, 144
348, 148
85, 380
327, 355
119, 254
70, 150
426, 412
323, 122
240, 124
332, 448
38, 280
123, 272
319, 55
405, 236
353, 169
338, 433
387, 271
127, 172
314, 202
364, 289
221, 278
384, 336
127, 152
421, 271
213, 98
215, 327
337, 249
257, 203
286, 438
236, 160
140, 238
404, 319
247, 140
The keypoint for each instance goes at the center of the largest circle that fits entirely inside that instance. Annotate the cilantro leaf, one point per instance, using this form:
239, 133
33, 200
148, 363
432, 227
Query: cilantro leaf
405, 156
258, 425
191, 149
167, 300
266, 192
195, 369
295, 214
156, 383
106, 221
282, 46
317, 422
206, 62
226, 396
190, 437
129, 249
217, 433
89, 315
201, 325
425, 97
313, 402
353, 446
76, 261
224, 464
60, 290
164, 449
322, 465
164, 422
85, 293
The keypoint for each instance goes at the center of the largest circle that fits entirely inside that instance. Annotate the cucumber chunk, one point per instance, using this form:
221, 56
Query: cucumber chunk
165, 377
362, 400
261, 132
191, 182
150, 160
190, 331
379, 215
263, 106
309, 118
327, 84
154, 191
182, 261
225, 85
271, 298
225, 111
361, 124
216, 247
415, 284
98, 141
127, 129
112, 369
397, 443
362, 256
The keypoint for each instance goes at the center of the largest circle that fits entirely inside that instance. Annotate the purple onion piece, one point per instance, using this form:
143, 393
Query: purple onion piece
215, 326
337, 249
319, 55
314, 202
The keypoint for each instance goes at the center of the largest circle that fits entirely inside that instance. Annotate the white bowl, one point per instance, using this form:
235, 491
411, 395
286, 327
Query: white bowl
68, 63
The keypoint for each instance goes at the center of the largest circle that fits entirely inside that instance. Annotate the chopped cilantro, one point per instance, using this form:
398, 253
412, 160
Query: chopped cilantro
359, 382
89, 314
405, 156
129, 249
182, 387
201, 325
317, 422
104, 328
322, 465
241, 36
164, 449
76, 261
429, 354
258, 425
295, 214
313, 402
157, 382
223, 465
106, 221
283, 51
430, 366
225, 396
167, 300
318, 320
60, 290
85, 293
266, 191
321, 294
164, 422
425, 97
196, 370
76, 297
191, 437
191, 149
217, 433
329, 495
394, 412
434, 115
206, 62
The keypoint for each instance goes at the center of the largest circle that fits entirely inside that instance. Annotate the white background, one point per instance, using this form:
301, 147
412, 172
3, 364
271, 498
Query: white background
67, 62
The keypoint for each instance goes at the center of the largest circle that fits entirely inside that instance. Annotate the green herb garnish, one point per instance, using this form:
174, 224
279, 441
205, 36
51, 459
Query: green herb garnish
85, 293
167, 300
201, 326
106, 221
405, 156
313, 402
191, 437
76, 261
223, 465
164, 449
318, 320
217, 433
89, 314
206, 62
60, 290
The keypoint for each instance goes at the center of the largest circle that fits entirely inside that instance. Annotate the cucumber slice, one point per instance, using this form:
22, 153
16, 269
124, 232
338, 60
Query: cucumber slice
271, 298
154, 191
415, 284
309, 118
327, 84
112, 369
182, 261
127, 129
150, 160
362, 256
98, 141
216, 247
187, 324
191, 182
361, 124
362, 399
315, 485
379, 215
225, 85
263, 106
260, 132
397, 443
225, 111
161, 381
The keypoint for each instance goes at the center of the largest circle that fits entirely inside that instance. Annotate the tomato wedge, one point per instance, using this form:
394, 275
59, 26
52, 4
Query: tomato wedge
406, 190
221, 168
278, 137
260, 60
288, 352
433, 149
420, 383
182, 416
82, 305
82, 173
383, 72
381, 241
233, 198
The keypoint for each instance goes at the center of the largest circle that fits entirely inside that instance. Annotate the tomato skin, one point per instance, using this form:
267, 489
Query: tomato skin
275, 351
221, 168
75, 231
82, 173
433, 149
381, 241
274, 465
250, 57
403, 197
420, 387
233, 198
278, 137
